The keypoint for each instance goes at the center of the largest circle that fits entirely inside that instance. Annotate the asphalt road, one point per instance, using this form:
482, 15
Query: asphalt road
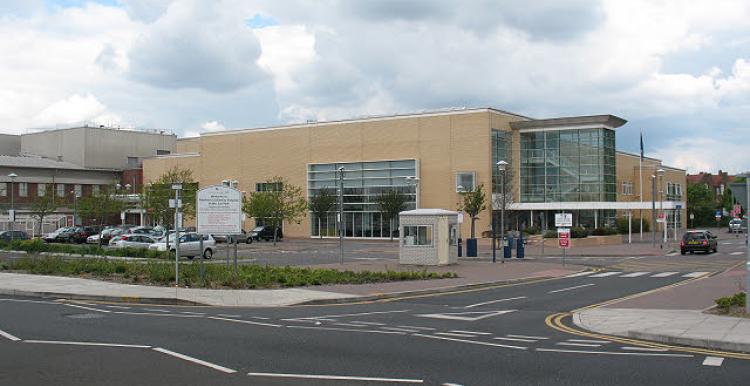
483, 337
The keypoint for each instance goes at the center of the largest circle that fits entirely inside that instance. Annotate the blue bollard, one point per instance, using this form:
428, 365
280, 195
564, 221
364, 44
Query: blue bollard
460, 248
507, 247
520, 248
471, 247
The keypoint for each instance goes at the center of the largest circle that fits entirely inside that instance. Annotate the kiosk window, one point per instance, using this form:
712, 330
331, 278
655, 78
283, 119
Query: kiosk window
417, 234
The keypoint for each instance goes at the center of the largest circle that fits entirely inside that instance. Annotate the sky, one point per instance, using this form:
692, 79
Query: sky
677, 70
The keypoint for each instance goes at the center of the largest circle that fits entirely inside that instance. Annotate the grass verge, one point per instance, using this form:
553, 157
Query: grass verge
35, 246
216, 275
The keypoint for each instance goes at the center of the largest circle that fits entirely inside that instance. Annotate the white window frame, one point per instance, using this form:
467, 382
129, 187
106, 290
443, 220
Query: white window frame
430, 234
78, 189
473, 181
60, 190
3, 189
23, 189
41, 189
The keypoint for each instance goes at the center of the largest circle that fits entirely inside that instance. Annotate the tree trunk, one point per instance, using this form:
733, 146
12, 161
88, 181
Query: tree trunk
41, 219
390, 228
473, 222
275, 227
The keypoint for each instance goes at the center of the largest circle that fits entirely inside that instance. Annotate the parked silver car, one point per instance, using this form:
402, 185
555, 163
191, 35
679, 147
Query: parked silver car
134, 241
189, 245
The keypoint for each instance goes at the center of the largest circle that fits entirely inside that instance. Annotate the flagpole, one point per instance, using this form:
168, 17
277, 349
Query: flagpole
640, 185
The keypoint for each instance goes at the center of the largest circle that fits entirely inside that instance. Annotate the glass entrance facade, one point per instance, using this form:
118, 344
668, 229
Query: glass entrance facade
363, 182
568, 165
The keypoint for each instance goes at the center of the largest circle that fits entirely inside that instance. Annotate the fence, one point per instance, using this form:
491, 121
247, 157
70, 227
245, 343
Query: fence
31, 226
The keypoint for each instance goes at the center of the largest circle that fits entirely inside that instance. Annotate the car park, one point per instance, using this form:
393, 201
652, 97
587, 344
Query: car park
242, 237
51, 237
698, 241
66, 235
134, 241
190, 245
7, 236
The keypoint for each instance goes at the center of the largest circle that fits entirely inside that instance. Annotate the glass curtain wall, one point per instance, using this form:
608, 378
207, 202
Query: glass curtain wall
501, 150
568, 165
363, 182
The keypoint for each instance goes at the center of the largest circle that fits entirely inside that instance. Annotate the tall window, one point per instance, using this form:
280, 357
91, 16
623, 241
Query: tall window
268, 186
501, 151
627, 188
465, 181
78, 189
60, 190
23, 189
41, 190
3, 189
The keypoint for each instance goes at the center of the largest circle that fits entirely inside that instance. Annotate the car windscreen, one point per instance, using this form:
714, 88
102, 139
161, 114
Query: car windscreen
695, 236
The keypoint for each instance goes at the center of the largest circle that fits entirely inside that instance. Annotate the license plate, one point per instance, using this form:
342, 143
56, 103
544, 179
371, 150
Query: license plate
694, 242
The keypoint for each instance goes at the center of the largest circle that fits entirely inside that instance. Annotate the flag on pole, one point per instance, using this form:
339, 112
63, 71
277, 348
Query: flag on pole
641, 145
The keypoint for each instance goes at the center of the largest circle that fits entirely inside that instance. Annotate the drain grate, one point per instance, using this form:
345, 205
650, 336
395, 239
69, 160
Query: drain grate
84, 316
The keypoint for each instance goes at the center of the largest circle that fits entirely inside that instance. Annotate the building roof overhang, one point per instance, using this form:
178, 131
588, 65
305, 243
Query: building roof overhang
606, 120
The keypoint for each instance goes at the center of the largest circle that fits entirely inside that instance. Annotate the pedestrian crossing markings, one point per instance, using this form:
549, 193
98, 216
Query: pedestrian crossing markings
591, 274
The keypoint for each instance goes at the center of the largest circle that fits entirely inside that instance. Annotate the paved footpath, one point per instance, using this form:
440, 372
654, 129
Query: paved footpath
471, 274
677, 315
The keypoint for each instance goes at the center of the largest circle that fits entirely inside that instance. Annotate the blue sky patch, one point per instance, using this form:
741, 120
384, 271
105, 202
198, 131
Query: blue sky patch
80, 3
261, 21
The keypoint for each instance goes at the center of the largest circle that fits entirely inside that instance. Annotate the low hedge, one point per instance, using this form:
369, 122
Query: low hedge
36, 246
726, 303
216, 275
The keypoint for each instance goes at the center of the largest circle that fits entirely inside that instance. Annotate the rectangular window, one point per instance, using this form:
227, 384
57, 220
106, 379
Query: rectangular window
162, 152
133, 162
3, 189
94, 190
78, 190
60, 190
417, 235
465, 181
268, 187
41, 190
23, 189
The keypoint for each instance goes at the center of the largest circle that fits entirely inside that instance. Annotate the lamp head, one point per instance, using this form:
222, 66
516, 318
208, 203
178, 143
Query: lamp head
660, 172
501, 165
12, 175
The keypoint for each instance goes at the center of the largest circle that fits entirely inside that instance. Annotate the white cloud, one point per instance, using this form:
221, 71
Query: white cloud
698, 154
74, 109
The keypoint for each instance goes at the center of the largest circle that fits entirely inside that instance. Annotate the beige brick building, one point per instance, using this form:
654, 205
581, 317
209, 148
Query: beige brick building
448, 151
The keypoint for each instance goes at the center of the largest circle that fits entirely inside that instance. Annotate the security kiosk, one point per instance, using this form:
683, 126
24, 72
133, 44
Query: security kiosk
428, 237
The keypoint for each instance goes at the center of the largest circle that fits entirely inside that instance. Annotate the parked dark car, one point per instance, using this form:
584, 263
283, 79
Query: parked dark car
82, 233
263, 233
67, 235
240, 238
7, 236
698, 241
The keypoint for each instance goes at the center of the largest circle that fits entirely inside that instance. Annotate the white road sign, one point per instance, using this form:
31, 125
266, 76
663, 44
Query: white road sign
563, 219
219, 210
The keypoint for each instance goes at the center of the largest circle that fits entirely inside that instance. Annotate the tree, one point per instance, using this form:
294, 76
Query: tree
286, 203
473, 203
702, 204
156, 195
98, 207
390, 204
322, 202
43, 206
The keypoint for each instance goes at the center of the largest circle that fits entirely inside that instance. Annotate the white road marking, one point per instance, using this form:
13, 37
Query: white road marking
156, 310
470, 341
192, 313
713, 361
515, 339
86, 308
321, 317
664, 274
495, 301
456, 334
161, 315
260, 317
655, 349
736, 253
350, 325
579, 274
117, 307
696, 274
452, 384
195, 360
9, 336
409, 330
245, 321
605, 274
672, 254
368, 323
615, 353
571, 288
229, 315
336, 377
346, 329
635, 274
526, 336
418, 328
578, 344
471, 332
465, 315
588, 341
73, 343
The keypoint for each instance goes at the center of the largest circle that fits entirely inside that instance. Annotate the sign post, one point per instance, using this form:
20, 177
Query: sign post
219, 212
563, 240
177, 219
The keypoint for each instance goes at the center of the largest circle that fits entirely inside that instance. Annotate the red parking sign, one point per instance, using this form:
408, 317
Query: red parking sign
563, 238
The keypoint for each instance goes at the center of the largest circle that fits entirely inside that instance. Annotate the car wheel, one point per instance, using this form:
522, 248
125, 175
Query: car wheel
249, 240
682, 253
189, 257
207, 254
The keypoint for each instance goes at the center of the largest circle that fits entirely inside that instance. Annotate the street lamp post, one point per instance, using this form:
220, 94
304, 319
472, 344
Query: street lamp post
341, 214
75, 207
501, 166
12, 213
660, 173
653, 209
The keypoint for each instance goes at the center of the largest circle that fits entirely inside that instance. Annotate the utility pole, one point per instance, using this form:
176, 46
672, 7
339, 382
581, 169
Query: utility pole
177, 188
653, 209
341, 214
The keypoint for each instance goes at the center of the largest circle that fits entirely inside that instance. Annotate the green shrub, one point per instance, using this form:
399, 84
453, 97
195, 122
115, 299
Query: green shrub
532, 230
550, 234
737, 300
604, 231
578, 232
622, 225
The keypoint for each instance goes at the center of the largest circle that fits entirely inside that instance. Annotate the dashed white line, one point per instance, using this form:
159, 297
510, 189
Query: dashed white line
696, 274
713, 361
260, 317
588, 341
156, 310
515, 339
117, 307
195, 360
321, 317
336, 377
73, 343
648, 354
346, 329
368, 323
736, 253
348, 325
635, 274
418, 328
526, 336
244, 321
664, 274
571, 288
654, 349
470, 341
605, 274
456, 335
409, 330
192, 313
494, 301
578, 344
229, 315
86, 308
9, 336
471, 332
579, 274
